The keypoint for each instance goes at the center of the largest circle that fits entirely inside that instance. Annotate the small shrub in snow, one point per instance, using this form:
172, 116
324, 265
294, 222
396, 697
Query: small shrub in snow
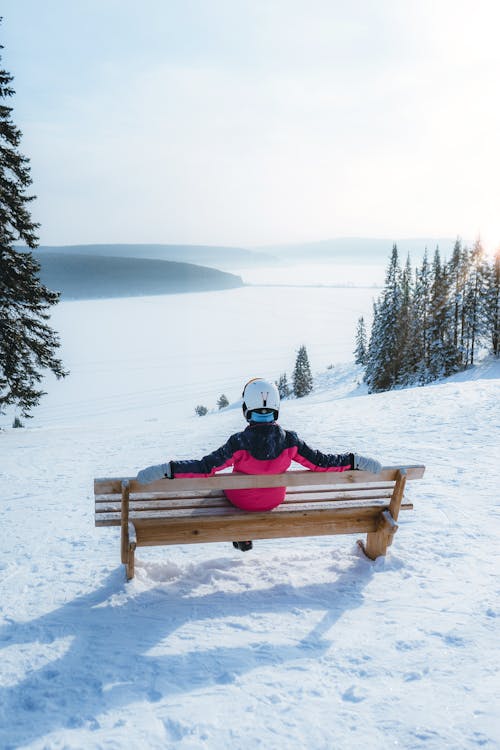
201, 410
222, 401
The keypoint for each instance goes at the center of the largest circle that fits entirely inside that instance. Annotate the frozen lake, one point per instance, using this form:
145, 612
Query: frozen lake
158, 357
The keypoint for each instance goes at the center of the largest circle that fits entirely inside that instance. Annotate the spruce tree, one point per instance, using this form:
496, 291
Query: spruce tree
302, 377
282, 386
457, 276
27, 343
374, 353
440, 325
493, 305
408, 333
475, 313
422, 303
384, 365
361, 349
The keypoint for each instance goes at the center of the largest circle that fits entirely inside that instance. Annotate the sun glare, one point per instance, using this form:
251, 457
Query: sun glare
490, 242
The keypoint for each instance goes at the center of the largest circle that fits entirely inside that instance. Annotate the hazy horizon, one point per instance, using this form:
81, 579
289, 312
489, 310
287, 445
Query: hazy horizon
258, 124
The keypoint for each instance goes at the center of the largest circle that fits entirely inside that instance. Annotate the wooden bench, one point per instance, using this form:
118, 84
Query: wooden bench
187, 511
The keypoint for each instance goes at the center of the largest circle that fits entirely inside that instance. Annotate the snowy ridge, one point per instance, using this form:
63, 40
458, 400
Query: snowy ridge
301, 643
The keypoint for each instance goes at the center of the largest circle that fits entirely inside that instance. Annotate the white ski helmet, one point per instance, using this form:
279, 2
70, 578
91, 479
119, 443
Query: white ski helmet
261, 396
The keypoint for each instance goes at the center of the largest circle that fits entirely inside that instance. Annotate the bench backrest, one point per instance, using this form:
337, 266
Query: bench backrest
250, 481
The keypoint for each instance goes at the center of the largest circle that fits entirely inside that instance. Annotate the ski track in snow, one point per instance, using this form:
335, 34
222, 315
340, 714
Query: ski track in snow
301, 643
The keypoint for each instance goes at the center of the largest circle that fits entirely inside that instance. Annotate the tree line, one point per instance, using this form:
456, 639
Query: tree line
432, 322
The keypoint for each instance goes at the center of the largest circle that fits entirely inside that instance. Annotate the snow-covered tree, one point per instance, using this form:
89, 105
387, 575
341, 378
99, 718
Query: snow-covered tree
493, 305
457, 275
475, 313
442, 356
408, 328
361, 348
384, 354
27, 343
302, 376
282, 386
422, 303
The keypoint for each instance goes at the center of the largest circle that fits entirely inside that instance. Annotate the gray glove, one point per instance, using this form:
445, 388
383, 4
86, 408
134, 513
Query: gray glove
363, 463
153, 473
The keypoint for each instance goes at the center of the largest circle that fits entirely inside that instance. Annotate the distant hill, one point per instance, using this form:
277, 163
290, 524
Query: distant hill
350, 250
360, 248
79, 276
206, 255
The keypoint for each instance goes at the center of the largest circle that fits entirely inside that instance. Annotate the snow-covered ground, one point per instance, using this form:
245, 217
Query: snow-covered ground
298, 644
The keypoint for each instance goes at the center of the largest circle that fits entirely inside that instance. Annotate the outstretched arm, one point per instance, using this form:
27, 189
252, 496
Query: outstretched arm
205, 467
315, 460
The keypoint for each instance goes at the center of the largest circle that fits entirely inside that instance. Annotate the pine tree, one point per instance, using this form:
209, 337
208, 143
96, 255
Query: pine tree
302, 377
442, 359
493, 305
464, 280
361, 349
475, 314
422, 303
384, 365
282, 386
457, 275
408, 333
27, 343
374, 353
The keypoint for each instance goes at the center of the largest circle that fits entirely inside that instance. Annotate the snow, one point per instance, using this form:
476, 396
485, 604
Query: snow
158, 357
300, 643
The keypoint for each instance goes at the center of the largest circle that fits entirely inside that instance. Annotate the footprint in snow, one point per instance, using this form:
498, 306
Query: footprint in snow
352, 695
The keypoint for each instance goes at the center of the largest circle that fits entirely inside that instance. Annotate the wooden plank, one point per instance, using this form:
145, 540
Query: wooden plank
113, 519
222, 502
124, 515
397, 495
203, 513
247, 481
171, 507
257, 526
205, 493
131, 551
112, 502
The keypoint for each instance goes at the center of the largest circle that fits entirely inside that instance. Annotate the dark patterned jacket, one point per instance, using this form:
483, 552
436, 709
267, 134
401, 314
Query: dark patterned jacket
261, 449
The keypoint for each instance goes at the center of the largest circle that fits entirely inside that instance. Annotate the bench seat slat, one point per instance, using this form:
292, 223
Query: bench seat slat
207, 493
222, 502
220, 511
113, 518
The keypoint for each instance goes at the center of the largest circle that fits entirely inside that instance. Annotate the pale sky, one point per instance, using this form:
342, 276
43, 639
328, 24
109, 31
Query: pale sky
258, 122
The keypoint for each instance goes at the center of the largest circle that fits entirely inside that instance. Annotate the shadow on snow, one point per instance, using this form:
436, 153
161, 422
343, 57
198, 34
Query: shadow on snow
107, 665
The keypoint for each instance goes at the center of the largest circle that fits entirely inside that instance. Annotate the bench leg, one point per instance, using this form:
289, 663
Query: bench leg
132, 544
378, 541
124, 521
130, 562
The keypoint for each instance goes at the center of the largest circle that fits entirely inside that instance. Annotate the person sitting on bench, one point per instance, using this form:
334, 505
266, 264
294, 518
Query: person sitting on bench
262, 448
